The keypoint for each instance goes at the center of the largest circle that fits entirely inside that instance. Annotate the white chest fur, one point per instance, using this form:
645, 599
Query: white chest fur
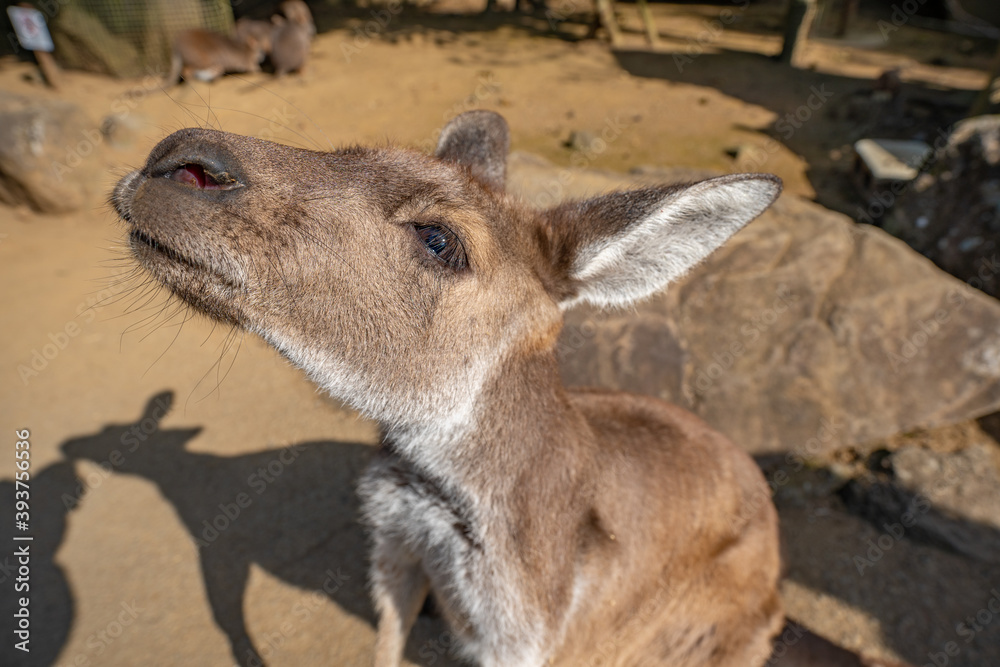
420, 523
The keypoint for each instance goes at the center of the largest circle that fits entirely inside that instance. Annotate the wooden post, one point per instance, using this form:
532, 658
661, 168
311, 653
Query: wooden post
848, 11
33, 35
982, 102
51, 71
652, 35
607, 13
797, 23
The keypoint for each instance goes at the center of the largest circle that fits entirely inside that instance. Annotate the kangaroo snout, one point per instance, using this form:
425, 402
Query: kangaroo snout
176, 209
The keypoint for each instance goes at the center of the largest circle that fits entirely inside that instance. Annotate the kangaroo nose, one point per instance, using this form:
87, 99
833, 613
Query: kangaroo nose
196, 158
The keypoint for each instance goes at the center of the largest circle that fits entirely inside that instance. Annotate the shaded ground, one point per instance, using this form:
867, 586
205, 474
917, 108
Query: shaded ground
118, 574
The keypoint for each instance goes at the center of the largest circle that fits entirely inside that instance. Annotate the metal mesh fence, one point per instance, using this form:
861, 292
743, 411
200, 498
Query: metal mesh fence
126, 38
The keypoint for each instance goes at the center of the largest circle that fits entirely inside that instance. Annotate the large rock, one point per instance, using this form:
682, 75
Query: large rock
47, 154
951, 214
805, 333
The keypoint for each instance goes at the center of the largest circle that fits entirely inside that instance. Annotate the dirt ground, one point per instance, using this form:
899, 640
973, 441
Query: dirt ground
116, 562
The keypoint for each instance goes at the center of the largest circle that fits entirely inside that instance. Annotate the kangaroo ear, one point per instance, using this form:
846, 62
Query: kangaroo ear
621, 247
480, 141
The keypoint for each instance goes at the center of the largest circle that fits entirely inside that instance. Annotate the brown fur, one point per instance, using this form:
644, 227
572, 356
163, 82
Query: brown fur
297, 12
290, 49
564, 527
260, 31
208, 55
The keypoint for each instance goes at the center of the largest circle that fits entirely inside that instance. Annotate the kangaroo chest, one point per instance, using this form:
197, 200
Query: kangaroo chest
423, 513
415, 518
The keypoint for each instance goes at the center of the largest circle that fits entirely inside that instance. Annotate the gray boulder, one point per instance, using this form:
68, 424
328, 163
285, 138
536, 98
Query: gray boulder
48, 153
806, 333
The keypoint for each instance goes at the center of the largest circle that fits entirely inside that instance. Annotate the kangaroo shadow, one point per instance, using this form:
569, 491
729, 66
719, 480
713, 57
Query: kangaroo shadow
291, 511
921, 571
52, 494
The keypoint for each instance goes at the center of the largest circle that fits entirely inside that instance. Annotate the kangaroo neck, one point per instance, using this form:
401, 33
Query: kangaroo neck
517, 414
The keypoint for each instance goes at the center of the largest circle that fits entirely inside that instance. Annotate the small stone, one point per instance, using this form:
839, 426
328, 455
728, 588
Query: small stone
581, 140
969, 244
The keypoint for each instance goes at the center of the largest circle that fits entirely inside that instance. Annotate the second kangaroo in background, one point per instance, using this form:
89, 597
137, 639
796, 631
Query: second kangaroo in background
552, 526
207, 55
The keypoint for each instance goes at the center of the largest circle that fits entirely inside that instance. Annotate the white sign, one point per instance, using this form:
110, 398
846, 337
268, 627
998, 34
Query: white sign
29, 24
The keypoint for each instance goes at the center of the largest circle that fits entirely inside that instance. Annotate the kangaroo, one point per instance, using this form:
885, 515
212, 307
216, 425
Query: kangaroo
207, 55
297, 12
290, 46
552, 526
260, 31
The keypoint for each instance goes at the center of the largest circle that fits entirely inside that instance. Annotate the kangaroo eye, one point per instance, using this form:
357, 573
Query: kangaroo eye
443, 244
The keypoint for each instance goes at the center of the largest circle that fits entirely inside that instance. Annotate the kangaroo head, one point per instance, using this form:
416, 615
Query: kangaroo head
401, 282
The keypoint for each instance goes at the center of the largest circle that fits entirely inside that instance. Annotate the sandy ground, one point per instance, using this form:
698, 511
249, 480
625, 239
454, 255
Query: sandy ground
116, 564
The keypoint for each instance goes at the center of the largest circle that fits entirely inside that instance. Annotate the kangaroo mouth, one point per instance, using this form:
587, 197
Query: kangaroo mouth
176, 268
145, 246
206, 286
142, 242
